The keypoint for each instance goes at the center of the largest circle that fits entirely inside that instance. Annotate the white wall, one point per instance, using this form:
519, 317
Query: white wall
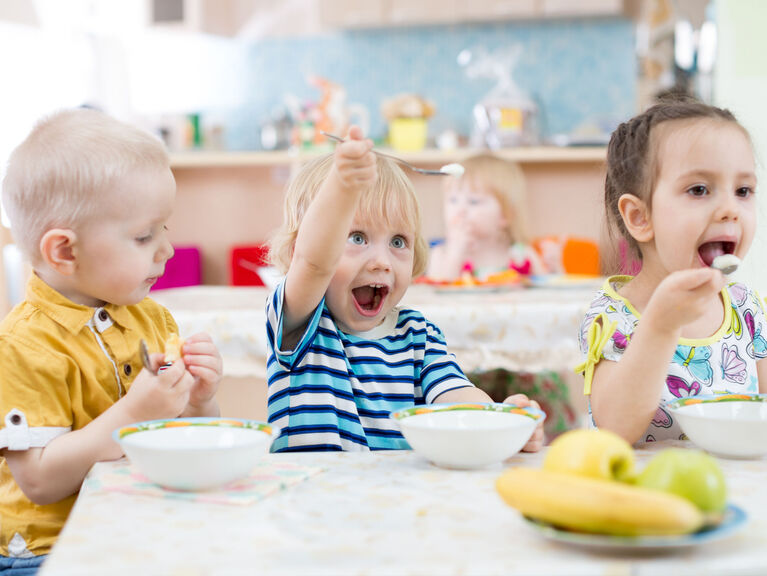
741, 85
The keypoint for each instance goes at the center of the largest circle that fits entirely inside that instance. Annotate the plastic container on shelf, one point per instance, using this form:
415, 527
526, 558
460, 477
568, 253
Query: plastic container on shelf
184, 269
247, 264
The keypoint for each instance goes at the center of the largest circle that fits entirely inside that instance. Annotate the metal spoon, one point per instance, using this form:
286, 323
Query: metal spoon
727, 263
145, 356
405, 163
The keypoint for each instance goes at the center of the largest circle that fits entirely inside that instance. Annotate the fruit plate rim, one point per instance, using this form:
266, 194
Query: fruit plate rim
734, 519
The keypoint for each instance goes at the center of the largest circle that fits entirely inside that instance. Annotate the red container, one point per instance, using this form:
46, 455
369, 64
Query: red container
245, 262
184, 269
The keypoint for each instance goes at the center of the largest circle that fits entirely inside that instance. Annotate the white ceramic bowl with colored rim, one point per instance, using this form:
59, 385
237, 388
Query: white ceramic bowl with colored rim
729, 425
470, 435
195, 453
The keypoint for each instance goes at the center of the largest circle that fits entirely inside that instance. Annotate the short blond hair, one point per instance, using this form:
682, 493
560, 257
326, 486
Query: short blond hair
505, 180
69, 161
392, 198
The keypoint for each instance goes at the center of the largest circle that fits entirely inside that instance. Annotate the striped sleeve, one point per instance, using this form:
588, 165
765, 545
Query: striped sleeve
274, 309
440, 372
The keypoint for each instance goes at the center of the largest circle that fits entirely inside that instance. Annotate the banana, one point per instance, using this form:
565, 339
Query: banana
593, 505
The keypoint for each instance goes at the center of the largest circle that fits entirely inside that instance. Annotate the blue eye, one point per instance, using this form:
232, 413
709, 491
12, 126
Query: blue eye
357, 238
398, 242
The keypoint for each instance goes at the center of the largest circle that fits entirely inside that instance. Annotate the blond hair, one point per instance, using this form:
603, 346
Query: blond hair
506, 182
392, 198
57, 176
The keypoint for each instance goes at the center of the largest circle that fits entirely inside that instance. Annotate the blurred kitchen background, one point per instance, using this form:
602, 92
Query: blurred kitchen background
237, 79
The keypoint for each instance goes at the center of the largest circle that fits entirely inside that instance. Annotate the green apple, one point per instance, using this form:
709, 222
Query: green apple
692, 474
594, 453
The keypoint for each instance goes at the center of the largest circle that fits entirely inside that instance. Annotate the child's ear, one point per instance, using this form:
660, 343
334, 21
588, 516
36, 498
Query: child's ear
636, 217
57, 250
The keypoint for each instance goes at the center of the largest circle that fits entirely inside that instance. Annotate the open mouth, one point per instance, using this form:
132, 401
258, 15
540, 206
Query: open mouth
369, 299
711, 250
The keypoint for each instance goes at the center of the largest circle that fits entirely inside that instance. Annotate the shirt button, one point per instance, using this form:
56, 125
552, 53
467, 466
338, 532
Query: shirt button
127, 369
103, 315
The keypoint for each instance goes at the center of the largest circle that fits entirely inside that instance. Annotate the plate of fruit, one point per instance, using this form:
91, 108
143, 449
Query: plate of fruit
588, 493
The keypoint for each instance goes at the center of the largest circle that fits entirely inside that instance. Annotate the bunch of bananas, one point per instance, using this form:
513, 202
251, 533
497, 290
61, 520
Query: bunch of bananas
588, 484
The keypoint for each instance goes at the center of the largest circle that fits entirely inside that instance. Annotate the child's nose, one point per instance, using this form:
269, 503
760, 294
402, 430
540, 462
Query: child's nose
729, 208
380, 258
165, 252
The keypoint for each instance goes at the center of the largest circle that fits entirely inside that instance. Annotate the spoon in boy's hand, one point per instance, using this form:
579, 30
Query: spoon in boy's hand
446, 170
145, 356
726, 263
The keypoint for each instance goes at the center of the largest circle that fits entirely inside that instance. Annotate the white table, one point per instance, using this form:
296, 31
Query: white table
517, 329
374, 513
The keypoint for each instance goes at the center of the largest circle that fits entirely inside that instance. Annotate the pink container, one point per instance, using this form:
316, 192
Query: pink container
184, 269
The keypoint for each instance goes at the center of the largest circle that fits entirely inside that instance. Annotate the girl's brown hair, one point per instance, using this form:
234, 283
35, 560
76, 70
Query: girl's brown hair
632, 160
392, 198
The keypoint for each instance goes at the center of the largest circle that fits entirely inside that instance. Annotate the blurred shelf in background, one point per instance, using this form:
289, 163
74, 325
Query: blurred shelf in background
532, 154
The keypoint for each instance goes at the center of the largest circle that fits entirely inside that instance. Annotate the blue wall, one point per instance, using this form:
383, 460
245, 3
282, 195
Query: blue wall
578, 70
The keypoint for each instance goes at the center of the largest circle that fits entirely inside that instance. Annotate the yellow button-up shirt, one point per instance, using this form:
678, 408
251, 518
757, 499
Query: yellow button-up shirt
61, 366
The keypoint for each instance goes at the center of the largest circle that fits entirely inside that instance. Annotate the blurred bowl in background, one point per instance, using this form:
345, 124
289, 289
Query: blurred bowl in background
195, 453
467, 436
729, 425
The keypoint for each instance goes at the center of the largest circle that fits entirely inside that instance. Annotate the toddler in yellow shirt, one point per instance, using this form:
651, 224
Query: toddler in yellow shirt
88, 198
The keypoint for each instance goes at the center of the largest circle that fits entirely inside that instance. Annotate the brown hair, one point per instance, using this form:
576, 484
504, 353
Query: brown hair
392, 198
632, 160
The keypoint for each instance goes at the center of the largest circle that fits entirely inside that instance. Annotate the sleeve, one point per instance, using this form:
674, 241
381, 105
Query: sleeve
440, 372
274, 309
170, 324
605, 333
34, 394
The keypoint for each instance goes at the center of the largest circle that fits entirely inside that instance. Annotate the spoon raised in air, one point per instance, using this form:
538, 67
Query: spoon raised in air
727, 263
446, 170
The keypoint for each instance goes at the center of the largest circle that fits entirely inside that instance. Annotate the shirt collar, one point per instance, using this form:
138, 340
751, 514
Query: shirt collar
73, 317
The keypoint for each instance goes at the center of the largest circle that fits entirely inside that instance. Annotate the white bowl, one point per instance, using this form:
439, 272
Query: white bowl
467, 435
729, 425
195, 453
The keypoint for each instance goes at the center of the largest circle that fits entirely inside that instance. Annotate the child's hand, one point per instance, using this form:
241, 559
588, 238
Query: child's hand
536, 441
681, 298
461, 240
203, 361
156, 396
355, 162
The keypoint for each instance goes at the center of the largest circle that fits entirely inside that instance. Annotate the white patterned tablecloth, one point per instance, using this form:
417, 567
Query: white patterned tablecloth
380, 513
517, 329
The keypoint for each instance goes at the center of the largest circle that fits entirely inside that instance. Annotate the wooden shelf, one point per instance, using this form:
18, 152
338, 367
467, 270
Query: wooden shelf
533, 154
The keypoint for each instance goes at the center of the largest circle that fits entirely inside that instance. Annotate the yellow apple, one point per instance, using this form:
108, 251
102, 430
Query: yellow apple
594, 453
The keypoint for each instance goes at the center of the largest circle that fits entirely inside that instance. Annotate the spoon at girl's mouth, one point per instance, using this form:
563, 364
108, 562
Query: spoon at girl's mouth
727, 263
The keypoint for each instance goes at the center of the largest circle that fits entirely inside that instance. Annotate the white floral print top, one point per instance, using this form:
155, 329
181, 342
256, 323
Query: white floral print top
725, 362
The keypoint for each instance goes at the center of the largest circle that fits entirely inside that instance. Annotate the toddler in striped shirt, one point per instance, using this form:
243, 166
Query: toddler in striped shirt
343, 355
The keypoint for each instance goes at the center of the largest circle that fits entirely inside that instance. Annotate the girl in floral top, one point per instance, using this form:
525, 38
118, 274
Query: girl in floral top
680, 189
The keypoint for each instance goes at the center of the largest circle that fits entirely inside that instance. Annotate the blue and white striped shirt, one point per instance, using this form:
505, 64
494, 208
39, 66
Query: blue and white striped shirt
335, 391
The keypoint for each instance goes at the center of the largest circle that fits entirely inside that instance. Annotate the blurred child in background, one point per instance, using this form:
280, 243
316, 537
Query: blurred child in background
485, 213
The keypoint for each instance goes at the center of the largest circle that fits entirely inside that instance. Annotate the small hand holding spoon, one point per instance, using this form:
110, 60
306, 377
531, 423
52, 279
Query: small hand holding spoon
447, 170
727, 263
